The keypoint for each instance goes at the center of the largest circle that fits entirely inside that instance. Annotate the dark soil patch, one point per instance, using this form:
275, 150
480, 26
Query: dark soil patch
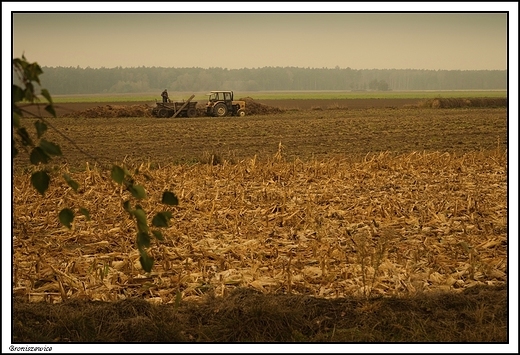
262, 107
305, 134
254, 107
477, 315
344, 103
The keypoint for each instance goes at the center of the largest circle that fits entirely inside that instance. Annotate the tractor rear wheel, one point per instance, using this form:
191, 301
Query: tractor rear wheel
220, 110
192, 112
163, 113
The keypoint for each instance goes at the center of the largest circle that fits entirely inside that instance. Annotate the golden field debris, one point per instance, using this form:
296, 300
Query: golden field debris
384, 225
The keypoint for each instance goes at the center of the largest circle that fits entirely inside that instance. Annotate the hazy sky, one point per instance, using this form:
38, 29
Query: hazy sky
250, 40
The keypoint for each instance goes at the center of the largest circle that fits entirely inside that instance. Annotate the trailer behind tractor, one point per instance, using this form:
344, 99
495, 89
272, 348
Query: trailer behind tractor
186, 108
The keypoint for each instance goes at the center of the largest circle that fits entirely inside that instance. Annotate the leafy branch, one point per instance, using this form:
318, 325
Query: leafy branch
41, 151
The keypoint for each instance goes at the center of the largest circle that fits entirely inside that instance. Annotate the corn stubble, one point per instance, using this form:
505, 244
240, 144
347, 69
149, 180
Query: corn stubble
385, 225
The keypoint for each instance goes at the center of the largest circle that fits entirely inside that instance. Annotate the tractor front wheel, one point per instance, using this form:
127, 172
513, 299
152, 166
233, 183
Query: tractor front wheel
220, 110
241, 113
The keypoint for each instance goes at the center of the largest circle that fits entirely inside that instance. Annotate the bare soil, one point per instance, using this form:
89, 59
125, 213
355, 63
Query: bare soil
320, 132
66, 109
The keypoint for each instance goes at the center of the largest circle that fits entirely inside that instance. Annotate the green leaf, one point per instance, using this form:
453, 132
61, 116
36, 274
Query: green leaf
157, 234
17, 93
50, 148
16, 120
29, 92
137, 191
71, 182
169, 198
66, 217
50, 109
161, 219
117, 174
45, 93
140, 216
126, 206
146, 261
143, 240
85, 213
178, 298
14, 149
17, 110
17, 62
41, 128
38, 156
26, 139
40, 180
33, 71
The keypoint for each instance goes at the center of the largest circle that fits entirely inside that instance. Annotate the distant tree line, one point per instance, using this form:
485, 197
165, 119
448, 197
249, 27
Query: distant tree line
70, 80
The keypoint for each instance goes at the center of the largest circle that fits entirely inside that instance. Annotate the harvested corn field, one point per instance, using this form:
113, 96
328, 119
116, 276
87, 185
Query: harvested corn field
383, 226
331, 204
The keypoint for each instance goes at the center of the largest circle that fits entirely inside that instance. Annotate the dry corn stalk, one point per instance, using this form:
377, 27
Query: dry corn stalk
275, 226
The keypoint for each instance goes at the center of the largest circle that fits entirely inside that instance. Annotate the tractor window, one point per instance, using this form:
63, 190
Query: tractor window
221, 96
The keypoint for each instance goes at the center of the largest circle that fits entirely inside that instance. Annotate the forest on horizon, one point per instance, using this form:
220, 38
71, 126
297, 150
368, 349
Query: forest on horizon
70, 80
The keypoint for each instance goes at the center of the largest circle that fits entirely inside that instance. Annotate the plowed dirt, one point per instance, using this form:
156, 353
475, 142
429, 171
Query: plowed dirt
311, 133
254, 107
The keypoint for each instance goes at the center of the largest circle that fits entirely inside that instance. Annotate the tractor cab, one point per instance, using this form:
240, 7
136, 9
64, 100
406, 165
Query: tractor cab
220, 104
226, 96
